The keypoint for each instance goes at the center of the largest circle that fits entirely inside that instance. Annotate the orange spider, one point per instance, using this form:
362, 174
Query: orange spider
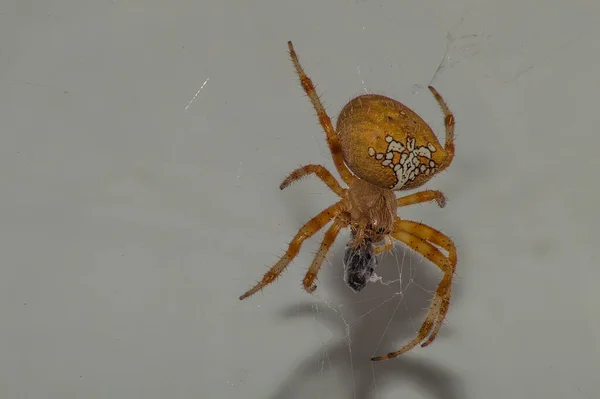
379, 146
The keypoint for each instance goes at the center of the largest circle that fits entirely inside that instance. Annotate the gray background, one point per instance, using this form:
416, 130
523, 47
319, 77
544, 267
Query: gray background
132, 217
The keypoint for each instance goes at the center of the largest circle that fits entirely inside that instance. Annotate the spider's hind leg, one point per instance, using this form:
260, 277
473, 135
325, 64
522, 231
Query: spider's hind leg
449, 125
332, 138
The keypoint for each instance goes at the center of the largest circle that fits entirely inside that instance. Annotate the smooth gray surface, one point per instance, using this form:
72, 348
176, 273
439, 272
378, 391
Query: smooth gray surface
132, 218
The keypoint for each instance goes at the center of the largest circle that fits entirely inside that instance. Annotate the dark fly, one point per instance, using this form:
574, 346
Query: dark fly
359, 264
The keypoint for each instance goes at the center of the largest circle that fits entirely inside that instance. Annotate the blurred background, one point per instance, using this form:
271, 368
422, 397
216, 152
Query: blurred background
142, 147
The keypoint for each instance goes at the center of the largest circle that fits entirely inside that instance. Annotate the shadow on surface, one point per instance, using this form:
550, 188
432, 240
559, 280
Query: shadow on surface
375, 328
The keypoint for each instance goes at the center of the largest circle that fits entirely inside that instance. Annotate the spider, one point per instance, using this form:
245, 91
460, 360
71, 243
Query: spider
378, 146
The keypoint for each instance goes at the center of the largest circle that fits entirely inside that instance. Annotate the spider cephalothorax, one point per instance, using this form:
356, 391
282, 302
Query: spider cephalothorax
371, 209
380, 146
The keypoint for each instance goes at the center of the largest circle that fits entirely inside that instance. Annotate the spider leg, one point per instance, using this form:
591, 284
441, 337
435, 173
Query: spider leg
305, 232
330, 236
332, 138
321, 172
436, 237
422, 196
423, 239
449, 124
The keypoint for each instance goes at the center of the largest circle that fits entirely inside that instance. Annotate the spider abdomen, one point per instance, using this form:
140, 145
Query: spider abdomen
387, 144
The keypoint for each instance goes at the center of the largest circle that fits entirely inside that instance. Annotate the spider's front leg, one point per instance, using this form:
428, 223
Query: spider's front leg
425, 240
305, 232
413, 199
309, 279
